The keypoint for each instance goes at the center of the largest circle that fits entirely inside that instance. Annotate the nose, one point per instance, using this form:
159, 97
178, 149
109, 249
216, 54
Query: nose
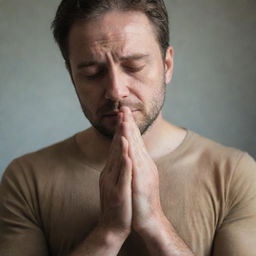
116, 85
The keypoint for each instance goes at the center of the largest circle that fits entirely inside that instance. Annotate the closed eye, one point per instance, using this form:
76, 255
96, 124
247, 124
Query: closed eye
97, 75
133, 69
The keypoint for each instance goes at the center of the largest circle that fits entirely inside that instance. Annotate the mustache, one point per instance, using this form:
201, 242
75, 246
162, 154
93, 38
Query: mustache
111, 106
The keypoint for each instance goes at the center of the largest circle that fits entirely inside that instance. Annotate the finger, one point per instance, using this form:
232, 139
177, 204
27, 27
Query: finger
133, 130
115, 145
125, 176
108, 175
111, 171
116, 135
132, 133
116, 162
128, 117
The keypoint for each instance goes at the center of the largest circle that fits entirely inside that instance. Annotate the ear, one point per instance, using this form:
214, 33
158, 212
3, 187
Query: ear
168, 64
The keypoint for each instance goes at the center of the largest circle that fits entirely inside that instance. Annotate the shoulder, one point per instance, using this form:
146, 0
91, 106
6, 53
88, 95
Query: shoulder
43, 160
211, 147
217, 164
210, 152
219, 155
55, 151
232, 169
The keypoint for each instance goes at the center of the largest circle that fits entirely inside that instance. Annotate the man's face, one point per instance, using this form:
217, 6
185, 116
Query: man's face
115, 60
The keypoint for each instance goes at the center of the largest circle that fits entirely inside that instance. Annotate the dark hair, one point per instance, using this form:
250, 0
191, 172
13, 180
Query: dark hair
70, 11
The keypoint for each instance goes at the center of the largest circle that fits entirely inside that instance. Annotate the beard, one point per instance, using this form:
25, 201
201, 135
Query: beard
144, 123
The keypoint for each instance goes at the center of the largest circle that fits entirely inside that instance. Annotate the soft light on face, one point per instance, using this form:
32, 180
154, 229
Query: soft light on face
116, 61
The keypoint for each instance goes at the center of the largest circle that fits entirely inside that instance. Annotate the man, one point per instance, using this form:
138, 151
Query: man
132, 184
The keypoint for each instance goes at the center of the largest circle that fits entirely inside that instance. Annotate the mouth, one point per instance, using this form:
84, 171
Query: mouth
114, 114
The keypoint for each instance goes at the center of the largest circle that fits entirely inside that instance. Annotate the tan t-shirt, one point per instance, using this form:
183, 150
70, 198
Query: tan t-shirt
49, 200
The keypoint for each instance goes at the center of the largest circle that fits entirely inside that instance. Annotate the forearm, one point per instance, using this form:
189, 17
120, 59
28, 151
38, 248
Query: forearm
163, 240
100, 242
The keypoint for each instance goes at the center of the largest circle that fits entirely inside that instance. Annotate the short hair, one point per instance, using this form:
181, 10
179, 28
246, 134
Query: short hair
71, 11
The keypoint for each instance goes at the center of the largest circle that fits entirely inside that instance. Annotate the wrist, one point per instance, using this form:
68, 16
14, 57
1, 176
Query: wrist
161, 238
155, 228
110, 236
101, 241
150, 224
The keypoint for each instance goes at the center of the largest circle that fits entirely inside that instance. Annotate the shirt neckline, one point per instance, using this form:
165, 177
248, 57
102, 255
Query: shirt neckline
171, 155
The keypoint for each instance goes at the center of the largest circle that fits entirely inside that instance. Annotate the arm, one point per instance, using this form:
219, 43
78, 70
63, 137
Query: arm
20, 231
237, 233
101, 242
161, 239
21, 227
116, 206
149, 220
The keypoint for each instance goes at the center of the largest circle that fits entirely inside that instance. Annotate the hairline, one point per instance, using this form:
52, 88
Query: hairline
91, 17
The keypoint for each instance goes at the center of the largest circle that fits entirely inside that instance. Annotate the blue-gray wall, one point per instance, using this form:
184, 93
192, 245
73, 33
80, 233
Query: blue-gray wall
213, 90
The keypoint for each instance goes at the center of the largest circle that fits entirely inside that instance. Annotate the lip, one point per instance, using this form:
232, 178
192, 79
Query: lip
115, 113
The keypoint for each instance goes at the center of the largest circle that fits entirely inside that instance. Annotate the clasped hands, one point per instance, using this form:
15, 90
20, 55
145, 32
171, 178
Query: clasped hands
129, 183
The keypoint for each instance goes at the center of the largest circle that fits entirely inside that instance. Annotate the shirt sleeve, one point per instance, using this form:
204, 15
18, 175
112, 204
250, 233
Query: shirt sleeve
20, 228
237, 234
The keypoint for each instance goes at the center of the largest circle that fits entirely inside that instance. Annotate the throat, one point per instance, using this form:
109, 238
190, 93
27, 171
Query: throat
164, 139
94, 147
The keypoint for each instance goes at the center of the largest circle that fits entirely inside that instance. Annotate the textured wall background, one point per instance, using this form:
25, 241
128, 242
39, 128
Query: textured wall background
212, 93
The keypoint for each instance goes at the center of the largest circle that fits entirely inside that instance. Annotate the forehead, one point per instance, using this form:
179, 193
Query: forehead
122, 33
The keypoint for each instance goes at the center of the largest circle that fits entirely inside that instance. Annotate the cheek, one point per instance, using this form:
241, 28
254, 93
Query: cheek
154, 72
89, 99
142, 93
153, 92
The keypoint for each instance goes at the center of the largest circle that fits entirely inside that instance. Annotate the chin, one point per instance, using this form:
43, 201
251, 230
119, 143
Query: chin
107, 132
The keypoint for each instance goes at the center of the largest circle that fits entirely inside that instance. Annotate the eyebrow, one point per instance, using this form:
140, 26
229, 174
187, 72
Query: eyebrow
86, 64
134, 57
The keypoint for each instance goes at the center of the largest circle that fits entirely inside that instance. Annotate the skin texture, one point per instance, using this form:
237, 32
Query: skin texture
115, 185
125, 62
117, 68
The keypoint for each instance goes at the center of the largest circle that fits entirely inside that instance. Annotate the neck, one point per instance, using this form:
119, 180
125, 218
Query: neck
161, 138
